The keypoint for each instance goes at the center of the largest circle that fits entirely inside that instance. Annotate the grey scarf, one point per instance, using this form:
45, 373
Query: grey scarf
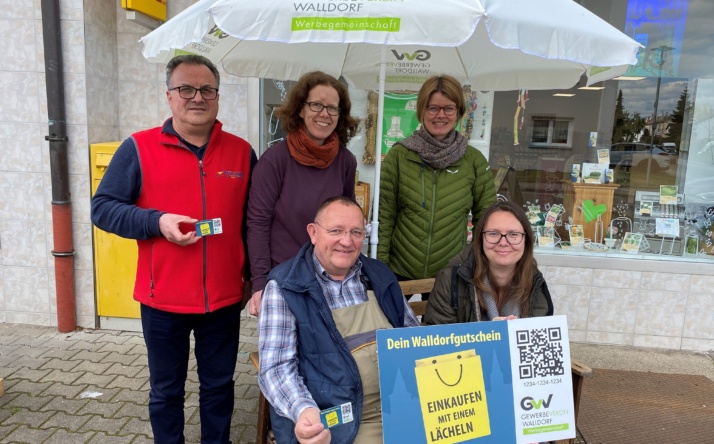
509, 308
438, 154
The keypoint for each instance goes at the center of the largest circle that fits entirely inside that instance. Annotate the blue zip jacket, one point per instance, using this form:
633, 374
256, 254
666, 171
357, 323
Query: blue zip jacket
325, 362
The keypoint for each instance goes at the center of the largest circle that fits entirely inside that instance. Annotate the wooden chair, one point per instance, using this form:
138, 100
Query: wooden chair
265, 435
417, 286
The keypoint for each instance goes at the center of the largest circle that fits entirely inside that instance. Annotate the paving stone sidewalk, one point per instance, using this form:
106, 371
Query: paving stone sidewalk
92, 386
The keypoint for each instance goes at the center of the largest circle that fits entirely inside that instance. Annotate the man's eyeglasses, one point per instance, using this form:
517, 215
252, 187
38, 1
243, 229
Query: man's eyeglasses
494, 237
317, 107
189, 92
339, 232
433, 110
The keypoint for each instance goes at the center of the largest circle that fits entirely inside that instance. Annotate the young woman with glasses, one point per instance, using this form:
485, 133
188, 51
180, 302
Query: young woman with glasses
430, 181
496, 278
293, 177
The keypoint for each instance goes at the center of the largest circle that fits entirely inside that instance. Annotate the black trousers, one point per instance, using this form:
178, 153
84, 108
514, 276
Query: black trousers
167, 336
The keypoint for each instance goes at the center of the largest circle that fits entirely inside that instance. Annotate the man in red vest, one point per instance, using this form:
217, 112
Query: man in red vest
180, 190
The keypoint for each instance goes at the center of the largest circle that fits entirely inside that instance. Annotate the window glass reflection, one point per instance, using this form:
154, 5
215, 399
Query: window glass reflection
656, 125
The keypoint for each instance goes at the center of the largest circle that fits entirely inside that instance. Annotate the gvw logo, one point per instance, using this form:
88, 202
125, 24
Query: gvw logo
420, 55
529, 403
216, 31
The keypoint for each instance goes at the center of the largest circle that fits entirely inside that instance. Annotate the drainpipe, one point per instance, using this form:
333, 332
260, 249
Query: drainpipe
63, 251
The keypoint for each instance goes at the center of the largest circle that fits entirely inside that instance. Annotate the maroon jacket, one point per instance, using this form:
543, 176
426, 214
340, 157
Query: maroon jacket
284, 197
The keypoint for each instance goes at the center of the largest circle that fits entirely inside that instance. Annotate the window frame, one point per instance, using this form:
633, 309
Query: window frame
552, 120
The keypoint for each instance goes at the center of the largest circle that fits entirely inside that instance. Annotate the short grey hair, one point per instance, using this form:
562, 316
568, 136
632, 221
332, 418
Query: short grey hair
191, 59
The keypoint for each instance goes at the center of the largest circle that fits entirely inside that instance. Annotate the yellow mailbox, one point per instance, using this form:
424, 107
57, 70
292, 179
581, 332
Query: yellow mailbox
114, 256
155, 9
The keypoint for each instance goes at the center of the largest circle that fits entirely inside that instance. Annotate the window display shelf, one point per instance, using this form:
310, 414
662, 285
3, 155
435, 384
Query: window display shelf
612, 253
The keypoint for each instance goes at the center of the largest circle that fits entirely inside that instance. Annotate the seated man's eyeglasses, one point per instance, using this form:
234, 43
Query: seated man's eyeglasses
189, 92
339, 232
494, 237
317, 107
433, 110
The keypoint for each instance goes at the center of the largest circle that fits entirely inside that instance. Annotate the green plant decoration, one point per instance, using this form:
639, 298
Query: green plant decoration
592, 211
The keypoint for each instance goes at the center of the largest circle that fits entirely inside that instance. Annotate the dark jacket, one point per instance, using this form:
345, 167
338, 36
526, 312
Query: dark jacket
325, 362
446, 306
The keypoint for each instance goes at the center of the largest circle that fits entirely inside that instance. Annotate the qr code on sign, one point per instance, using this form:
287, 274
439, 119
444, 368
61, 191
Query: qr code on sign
540, 352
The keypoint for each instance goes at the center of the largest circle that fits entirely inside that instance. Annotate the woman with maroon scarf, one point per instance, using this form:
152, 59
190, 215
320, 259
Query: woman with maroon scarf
293, 177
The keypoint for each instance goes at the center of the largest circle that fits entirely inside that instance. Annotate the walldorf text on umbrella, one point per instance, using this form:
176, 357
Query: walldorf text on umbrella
329, 7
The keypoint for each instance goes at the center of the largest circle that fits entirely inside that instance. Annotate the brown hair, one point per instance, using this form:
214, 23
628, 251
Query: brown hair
289, 112
522, 284
446, 85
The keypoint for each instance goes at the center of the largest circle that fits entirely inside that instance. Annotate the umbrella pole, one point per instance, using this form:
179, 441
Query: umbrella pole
373, 238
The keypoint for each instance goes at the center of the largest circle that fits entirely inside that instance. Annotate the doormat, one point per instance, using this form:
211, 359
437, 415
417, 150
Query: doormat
636, 407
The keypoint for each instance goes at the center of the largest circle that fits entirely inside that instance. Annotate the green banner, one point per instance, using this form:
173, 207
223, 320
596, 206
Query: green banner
384, 24
399, 119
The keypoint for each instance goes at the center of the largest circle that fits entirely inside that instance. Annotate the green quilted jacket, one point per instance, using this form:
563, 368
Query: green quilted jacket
423, 212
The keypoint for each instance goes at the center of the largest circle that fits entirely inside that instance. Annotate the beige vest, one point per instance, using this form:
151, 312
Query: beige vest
356, 325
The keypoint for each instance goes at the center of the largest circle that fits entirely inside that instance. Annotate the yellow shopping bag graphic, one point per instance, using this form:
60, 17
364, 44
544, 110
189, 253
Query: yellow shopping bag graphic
452, 395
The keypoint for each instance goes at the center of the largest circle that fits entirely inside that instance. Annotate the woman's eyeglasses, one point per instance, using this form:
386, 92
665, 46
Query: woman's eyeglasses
318, 107
494, 237
433, 110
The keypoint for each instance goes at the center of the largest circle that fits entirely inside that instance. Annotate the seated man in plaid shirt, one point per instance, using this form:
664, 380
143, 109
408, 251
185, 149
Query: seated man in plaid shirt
317, 326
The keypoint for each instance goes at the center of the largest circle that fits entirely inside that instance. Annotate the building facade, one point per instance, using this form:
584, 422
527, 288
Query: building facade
658, 293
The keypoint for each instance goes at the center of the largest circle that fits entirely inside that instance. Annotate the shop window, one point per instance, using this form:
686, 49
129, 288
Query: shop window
648, 137
273, 93
551, 132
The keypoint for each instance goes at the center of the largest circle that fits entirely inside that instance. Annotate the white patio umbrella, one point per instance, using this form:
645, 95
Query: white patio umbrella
494, 45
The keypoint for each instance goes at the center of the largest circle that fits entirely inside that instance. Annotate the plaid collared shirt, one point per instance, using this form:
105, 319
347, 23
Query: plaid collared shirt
278, 378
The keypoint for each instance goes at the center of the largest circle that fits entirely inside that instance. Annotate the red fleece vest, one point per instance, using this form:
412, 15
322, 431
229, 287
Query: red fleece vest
207, 275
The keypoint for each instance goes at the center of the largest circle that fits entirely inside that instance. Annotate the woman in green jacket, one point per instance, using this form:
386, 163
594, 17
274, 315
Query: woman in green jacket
430, 181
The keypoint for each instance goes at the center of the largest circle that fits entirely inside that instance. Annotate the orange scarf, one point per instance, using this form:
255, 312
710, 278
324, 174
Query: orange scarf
306, 152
